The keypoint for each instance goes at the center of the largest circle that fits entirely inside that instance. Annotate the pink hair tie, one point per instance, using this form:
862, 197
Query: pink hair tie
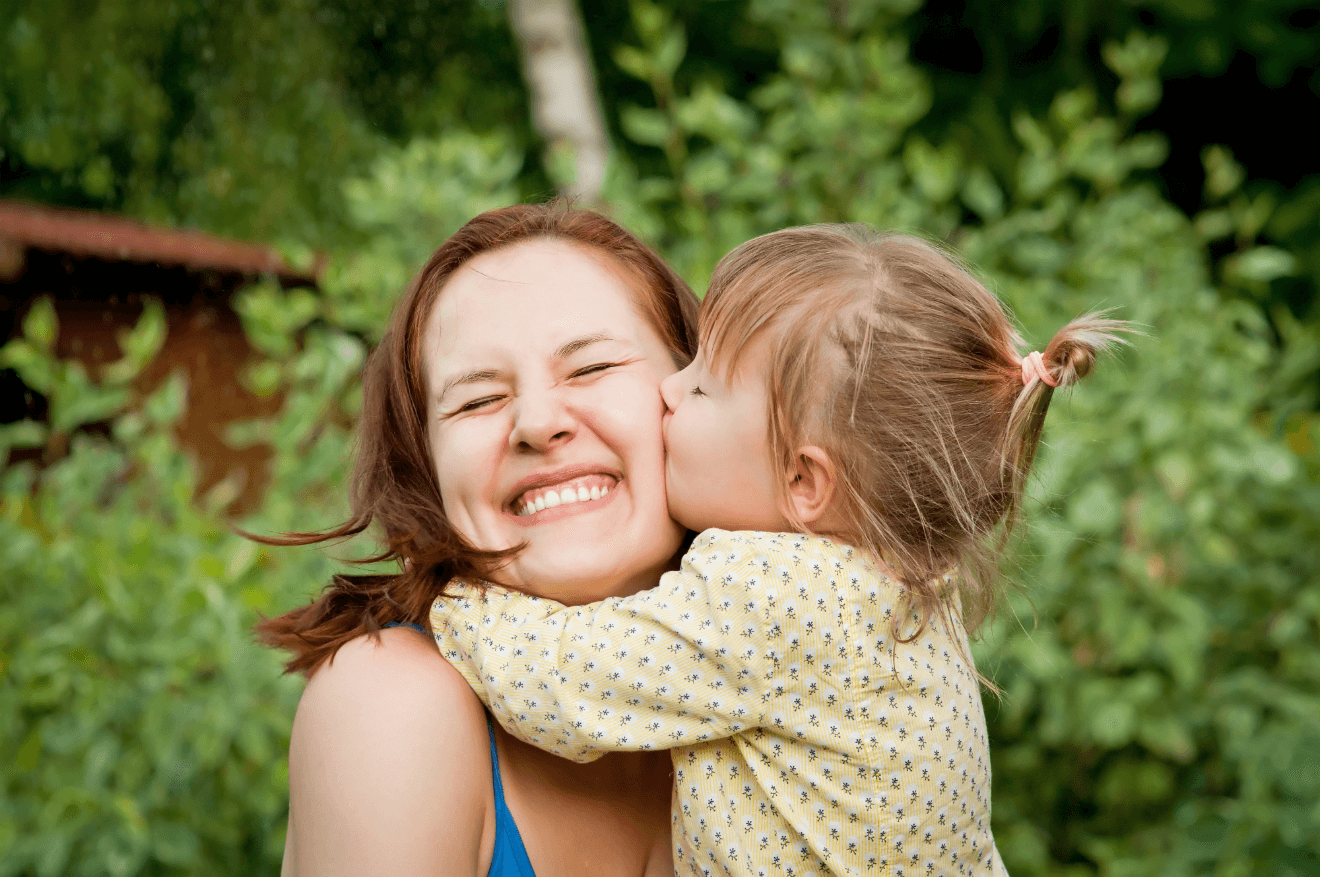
1033, 366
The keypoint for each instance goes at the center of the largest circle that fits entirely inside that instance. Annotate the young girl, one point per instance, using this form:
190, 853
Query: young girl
852, 438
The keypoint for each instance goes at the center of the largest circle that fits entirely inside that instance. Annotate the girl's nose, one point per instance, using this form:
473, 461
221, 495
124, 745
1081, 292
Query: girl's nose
671, 390
541, 422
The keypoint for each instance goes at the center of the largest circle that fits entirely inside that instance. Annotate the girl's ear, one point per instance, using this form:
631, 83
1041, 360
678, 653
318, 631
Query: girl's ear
811, 485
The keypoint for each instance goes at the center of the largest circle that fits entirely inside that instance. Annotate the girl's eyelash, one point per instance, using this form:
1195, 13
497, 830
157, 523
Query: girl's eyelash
696, 391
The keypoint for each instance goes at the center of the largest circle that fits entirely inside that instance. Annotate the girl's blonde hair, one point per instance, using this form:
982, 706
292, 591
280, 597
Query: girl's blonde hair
885, 352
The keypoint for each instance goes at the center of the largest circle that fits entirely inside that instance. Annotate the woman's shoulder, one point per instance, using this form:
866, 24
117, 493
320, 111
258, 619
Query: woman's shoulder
384, 762
396, 689
396, 676
393, 663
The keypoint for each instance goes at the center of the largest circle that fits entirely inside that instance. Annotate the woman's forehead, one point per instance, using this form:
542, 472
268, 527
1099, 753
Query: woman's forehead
543, 294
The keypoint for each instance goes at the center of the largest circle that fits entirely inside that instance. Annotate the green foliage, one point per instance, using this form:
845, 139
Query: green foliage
1152, 721
146, 730
240, 118
176, 112
1235, 73
1159, 661
411, 199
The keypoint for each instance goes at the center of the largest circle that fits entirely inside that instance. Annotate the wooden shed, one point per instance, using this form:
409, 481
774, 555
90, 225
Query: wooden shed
99, 269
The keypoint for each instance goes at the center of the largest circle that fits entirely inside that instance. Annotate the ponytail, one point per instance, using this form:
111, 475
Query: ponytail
1069, 357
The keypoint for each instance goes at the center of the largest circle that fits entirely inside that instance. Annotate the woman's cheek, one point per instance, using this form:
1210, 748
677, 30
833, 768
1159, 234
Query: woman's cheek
466, 455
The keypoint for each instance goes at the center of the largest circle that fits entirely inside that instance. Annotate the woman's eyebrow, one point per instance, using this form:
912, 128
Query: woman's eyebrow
476, 377
572, 347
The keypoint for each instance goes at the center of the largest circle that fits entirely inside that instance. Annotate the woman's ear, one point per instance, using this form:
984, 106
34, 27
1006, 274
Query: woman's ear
811, 485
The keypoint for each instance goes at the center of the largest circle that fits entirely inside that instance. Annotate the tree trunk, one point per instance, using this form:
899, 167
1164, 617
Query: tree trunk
565, 106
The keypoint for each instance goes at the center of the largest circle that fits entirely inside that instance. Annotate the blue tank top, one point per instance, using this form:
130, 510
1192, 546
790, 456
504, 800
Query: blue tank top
510, 856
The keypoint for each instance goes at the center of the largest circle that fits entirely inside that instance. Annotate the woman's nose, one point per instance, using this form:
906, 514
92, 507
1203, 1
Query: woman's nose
541, 421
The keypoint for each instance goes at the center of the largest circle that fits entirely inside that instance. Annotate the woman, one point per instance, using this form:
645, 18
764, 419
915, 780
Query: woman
523, 364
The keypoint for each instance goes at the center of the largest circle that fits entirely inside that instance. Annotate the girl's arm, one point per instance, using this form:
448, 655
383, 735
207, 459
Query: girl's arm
686, 661
388, 772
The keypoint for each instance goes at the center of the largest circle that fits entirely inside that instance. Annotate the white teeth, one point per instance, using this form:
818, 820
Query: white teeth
552, 498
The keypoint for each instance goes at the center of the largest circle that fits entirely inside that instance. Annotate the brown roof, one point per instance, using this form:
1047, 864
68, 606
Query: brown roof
117, 238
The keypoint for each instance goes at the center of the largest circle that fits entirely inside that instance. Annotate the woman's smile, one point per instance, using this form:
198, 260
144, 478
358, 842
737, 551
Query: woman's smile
551, 496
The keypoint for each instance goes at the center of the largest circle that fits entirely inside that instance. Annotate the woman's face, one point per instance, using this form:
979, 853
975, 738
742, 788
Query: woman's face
543, 386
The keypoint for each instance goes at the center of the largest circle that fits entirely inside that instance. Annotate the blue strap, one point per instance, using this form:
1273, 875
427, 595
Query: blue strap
510, 857
416, 627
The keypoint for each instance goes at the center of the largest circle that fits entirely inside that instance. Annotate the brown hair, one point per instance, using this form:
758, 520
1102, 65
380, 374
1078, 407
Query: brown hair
394, 480
889, 355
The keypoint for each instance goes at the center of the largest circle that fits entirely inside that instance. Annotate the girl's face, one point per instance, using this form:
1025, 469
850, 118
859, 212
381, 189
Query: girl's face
543, 398
718, 467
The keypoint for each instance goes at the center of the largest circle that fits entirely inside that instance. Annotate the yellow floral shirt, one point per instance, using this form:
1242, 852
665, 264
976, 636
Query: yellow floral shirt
804, 739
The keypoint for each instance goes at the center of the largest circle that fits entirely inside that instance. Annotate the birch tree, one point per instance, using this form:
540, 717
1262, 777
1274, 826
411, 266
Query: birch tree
566, 108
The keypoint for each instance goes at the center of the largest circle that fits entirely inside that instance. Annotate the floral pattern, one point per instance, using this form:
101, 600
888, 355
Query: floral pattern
805, 739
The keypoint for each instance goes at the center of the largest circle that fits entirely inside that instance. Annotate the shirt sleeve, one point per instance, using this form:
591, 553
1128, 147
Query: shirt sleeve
684, 662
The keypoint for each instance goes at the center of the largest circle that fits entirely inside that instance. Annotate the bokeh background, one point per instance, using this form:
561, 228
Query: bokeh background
1160, 657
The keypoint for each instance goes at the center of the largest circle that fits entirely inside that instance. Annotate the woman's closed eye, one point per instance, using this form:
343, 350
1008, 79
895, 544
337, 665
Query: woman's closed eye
594, 369
696, 391
476, 404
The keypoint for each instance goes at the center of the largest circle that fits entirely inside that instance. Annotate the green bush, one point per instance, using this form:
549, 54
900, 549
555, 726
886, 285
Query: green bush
147, 733
241, 118
1159, 658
